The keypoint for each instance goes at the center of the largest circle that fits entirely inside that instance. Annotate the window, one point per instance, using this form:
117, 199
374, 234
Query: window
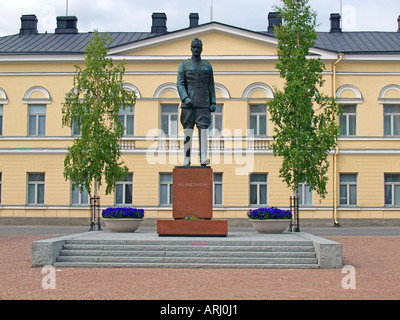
35, 188
166, 189
169, 119
37, 120
258, 189
76, 130
305, 195
217, 181
1, 120
392, 189
124, 190
79, 197
216, 120
391, 119
348, 121
258, 119
127, 118
348, 189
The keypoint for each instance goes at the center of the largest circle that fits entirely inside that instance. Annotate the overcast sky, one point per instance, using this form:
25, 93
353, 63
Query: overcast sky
134, 15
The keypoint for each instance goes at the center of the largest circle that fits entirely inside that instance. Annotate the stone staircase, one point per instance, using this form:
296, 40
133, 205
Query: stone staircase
192, 253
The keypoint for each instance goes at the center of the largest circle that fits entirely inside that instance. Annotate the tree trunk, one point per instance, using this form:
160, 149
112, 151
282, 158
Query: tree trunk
296, 223
95, 208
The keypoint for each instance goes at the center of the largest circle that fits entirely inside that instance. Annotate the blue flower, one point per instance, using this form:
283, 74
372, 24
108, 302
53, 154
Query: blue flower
117, 213
269, 213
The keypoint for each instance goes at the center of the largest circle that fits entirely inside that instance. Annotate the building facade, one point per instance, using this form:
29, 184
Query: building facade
362, 70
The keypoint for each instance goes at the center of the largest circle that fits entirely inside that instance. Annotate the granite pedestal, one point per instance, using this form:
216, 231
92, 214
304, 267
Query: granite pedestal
192, 196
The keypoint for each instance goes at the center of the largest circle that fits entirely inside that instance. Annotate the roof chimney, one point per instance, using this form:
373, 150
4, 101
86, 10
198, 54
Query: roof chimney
194, 20
28, 25
67, 24
273, 20
335, 23
398, 21
159, 23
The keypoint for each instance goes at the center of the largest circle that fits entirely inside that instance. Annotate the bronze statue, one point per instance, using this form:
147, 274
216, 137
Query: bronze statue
196, 89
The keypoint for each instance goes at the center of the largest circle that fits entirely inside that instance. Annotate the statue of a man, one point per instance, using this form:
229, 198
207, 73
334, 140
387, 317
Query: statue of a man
196, 89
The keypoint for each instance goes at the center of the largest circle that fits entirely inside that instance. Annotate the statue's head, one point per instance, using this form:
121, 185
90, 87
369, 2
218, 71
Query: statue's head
196, 47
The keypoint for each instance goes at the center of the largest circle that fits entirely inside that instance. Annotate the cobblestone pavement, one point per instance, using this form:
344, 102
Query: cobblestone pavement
376, 261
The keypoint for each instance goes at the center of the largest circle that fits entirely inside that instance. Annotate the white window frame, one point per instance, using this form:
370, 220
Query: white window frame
258, 115
217, 113
169, 115
392, 116
218, 183
303, 189
81, 195
347, 116
258, 188
37, 115
392, 186
76, 130
1, 119
124, 182
123, 116
348, 186
36, 185
169, 188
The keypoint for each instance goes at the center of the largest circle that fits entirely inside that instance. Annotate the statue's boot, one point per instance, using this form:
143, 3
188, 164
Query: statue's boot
203, 147
187, 147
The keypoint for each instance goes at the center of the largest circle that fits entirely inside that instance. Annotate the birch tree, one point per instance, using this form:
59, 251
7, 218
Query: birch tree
92, 108
304, 118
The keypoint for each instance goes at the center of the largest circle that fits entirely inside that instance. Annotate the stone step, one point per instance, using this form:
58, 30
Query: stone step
181, 265
188, 253
106, 247
238, 250
184, 260
193, 242
168, 253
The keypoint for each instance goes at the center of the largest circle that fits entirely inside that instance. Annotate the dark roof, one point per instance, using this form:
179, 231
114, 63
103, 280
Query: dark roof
51, 43
360, 42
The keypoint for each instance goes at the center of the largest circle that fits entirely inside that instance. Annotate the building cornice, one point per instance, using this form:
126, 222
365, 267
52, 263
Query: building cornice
371, 58
146, 58
41, 58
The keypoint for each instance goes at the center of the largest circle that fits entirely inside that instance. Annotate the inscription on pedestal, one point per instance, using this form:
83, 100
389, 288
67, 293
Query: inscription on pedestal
192, 195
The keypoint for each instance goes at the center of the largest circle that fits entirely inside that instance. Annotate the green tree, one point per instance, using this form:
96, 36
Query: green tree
305, 119
93, 108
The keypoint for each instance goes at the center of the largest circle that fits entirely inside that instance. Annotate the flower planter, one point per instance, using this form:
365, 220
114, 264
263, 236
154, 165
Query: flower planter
270, 225
123, 219
122, 224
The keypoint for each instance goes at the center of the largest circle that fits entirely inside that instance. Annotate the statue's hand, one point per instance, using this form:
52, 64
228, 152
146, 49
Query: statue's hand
212, 108
189, 102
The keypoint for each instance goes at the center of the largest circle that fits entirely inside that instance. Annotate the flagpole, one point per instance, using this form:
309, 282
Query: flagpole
211, 11
66, 8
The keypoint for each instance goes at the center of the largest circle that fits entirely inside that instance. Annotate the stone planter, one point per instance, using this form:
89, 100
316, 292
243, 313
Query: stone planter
270, 225
122, 224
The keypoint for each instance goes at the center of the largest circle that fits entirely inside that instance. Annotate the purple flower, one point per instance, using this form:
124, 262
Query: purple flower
117, 213
269, 213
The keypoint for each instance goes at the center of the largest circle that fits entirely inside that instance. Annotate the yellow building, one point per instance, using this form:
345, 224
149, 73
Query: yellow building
362, 71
